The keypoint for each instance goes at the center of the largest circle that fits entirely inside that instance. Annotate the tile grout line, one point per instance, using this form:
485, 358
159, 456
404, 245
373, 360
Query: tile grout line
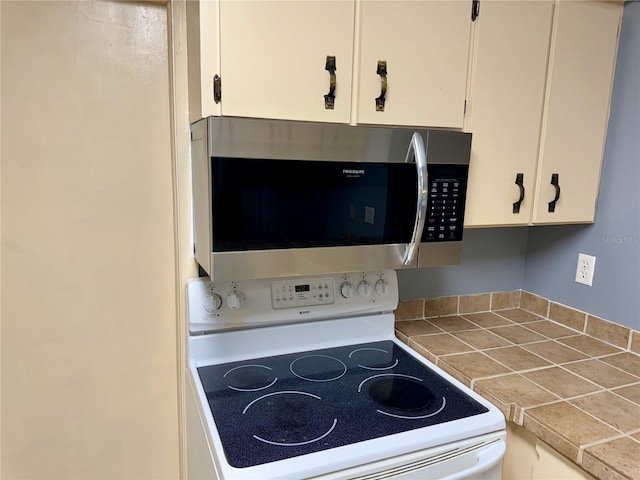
513, 344
585, 320
581, 332
547, 315
603, 388
546, 338
613, 392
582, 448
548, 308
583, 395
601, 420
521, 413
599, 358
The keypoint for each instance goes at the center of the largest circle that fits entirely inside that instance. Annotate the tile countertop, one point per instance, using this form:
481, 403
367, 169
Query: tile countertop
570, 378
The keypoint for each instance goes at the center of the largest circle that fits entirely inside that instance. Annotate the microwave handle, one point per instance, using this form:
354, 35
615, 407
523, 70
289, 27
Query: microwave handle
420, 155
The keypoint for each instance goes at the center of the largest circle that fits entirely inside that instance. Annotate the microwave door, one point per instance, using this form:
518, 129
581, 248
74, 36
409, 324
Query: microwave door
298, 217
262, 204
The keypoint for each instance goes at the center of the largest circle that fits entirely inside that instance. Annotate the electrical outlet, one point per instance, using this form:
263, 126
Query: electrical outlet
585, 268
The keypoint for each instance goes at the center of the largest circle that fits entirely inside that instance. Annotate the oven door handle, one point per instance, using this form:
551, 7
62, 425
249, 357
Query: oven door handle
420, 155
489, 459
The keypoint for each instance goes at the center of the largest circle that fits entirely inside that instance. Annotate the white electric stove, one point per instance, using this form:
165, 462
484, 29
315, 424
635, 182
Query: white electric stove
304, 378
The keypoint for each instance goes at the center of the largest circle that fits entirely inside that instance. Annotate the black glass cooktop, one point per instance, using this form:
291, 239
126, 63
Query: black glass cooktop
279, 407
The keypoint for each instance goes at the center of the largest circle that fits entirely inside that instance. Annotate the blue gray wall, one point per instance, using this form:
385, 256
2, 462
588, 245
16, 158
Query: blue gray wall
543, 260
492, 261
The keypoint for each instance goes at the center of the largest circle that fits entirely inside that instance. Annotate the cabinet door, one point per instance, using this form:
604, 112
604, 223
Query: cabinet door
203, 57
582, 63
273, 57
511, 47
425, 45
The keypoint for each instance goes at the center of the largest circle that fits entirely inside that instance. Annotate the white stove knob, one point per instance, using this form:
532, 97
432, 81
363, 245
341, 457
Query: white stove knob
346, 290
364, 289
382, 287
212, 302
235, 300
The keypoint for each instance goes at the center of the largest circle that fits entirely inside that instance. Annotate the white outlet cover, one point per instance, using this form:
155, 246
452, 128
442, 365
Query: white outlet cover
585, 268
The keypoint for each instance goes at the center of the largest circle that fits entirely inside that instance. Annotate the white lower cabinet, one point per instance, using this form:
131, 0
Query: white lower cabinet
528, 458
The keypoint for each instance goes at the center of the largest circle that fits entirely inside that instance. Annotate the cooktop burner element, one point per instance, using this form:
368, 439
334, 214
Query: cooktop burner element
249, 378
373, 358
401, 392
284, 406
318, 368
289, 419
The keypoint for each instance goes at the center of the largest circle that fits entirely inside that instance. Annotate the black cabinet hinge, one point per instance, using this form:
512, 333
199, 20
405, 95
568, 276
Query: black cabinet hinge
475, 10
217, 88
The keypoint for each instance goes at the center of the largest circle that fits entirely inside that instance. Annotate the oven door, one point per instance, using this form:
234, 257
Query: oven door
279, 199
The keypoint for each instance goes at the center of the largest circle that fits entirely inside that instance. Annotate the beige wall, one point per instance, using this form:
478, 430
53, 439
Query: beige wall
88, 312
0, 245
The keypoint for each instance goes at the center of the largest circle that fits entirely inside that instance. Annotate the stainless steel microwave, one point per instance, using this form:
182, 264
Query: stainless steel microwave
281, 198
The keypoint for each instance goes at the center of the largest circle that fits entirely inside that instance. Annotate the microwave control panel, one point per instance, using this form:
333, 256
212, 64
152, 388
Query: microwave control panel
445, 208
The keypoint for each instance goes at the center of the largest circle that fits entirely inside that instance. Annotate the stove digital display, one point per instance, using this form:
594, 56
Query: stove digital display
279, 407
302, 288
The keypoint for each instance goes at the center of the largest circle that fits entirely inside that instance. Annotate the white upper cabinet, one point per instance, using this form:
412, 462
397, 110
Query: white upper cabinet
581, 68
508, 75
530, 79
273, 59
203, 54
539, 97
425, 49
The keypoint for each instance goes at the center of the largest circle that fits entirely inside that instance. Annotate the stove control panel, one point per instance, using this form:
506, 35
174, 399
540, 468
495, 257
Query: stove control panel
302, 293
217, 306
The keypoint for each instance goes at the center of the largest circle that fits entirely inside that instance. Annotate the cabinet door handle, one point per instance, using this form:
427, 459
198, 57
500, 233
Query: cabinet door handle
382, 71
475, 10
329, 98
217, 88
556, 184
519, 183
